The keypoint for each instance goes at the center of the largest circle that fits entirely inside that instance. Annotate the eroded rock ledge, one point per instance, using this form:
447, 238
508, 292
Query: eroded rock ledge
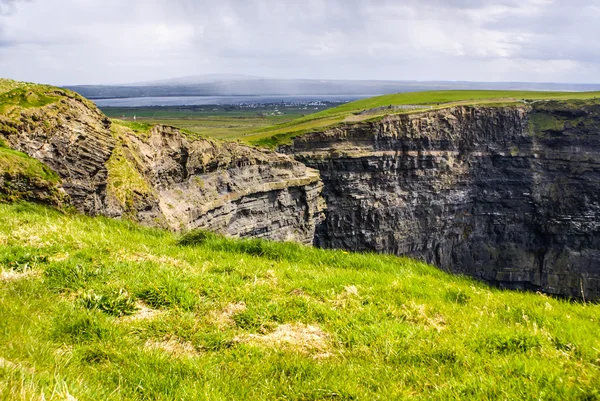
220, 186
510, 195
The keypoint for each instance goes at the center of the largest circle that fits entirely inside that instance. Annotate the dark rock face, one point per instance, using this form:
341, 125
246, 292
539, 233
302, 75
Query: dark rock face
73, 138
509, 195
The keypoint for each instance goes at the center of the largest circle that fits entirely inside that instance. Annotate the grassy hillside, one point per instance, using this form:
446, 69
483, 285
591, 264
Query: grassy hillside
349, 112
16, 96
98, 309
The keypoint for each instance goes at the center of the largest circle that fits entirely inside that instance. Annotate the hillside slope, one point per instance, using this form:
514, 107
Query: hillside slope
100, 309
65, 132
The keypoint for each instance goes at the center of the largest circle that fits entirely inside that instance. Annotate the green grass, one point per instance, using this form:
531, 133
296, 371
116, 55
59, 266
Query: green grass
221, 127
125, 182
224, 127
227, 122
23, 177
15, 163
347, 113
140, 128
6, 85
100, 309
16, 97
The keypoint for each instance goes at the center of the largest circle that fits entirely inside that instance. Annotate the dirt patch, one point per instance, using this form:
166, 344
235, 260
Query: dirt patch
224, 318
172, 345
144, 312
307, 339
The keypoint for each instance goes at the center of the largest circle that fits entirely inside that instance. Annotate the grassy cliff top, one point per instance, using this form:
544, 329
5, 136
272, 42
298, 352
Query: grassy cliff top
16, 96
376, 107
99, 309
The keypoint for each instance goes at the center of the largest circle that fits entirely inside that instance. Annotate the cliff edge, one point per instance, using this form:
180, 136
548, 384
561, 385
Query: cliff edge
507, 194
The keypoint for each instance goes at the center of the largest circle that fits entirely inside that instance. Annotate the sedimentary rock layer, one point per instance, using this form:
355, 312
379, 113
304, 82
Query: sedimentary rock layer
510, 194
159, 177
73, 138
226, 187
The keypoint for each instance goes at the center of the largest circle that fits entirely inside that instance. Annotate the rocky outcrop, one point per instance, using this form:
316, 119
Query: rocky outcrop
225, 187
68, 134
73, 154
510, 195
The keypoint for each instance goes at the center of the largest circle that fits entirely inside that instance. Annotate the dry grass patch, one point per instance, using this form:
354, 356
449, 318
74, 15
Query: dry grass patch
304, 338
419, 314
143, 312
349, 297
267, 278
172, 345
224, 318
12, 275
6, 364
148, 257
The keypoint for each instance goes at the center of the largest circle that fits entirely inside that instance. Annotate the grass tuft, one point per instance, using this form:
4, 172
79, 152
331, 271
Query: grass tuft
115, 303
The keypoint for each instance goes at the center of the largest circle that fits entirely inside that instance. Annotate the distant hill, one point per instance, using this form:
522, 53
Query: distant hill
241, 85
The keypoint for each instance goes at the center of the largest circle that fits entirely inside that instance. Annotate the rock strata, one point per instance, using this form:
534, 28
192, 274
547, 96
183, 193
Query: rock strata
510, 195
72, 137
159, 177
227, 187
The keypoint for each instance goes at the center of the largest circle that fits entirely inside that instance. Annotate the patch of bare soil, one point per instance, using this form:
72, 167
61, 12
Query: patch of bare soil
307, 339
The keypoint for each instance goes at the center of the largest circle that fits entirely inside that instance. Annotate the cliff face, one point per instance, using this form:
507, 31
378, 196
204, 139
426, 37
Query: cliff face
222, 187
68, 134
510, 195
57, 147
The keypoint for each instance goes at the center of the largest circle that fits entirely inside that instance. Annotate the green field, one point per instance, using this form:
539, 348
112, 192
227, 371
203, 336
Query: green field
96, 309
348, 113
216, 121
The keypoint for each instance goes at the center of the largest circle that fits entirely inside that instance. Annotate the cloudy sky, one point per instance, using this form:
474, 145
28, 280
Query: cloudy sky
117, 41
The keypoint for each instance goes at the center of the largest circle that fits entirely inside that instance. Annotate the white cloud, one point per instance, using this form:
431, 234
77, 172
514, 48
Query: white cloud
90, 41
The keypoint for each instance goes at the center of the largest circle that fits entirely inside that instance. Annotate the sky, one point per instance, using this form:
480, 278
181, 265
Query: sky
66, 42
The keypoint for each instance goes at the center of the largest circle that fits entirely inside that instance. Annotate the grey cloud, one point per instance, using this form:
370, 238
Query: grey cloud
73, 41
8, 7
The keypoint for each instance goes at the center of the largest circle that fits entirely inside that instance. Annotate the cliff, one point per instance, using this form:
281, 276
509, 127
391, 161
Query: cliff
57, 147
162, 177
65, 132
510, 195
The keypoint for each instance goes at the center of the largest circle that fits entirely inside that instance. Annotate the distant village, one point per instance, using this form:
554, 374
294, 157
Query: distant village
279, 108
